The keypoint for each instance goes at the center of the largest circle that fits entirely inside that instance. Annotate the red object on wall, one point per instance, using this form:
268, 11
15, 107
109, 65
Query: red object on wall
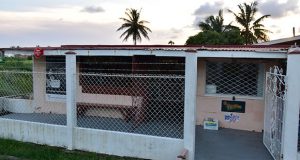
38, 52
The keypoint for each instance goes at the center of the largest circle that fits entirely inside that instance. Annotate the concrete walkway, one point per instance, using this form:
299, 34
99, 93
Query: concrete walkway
230, 144
155, 128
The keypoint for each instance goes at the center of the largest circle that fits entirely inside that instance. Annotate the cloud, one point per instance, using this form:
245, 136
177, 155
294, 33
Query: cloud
275, 29
56, 33
278, 31
274, 26
164, 36
176, 31
29, 5
208, 9
92, 9
197, 21
277, 9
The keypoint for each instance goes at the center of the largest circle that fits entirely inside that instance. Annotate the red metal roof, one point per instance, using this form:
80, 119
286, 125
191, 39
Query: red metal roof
163, 47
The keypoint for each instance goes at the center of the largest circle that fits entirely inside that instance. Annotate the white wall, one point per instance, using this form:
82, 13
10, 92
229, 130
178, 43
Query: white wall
106, 142
291, 111
127, 144
40, 101
53, 135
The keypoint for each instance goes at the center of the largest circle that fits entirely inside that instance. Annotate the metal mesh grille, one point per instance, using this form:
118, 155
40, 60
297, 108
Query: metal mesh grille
276, 89
244, 79
19, 101
143, 104
139, 94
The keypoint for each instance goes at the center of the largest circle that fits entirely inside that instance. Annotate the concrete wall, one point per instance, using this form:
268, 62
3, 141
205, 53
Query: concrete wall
40, 102
210, 106
53, 135
290, 130
99, 141
126, 144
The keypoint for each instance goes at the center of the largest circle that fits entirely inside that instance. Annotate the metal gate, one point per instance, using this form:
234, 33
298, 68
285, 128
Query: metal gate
275, 96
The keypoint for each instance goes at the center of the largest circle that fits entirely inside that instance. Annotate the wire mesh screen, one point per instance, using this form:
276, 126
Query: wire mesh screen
16, 84
276, 89
133, 103
21, 100
244, 79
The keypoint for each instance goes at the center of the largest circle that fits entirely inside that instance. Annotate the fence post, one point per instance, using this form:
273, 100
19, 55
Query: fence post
291, 113
190, 103
71, 96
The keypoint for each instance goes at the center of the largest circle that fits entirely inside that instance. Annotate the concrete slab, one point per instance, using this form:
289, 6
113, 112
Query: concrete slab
230, 144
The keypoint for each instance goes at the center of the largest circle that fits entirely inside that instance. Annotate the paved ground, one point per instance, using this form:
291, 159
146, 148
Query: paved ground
229, 144
155, 128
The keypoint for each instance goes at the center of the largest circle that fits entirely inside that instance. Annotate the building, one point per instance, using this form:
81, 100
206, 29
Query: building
295, 40
149, 98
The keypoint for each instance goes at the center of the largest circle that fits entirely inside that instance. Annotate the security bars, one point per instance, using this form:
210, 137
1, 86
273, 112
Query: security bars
233, 78
134, 97
133, 103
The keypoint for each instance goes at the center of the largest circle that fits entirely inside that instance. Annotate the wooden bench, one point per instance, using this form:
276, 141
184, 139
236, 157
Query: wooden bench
130, 107
126, 111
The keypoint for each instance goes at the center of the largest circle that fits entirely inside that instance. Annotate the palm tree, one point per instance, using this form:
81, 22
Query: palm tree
171, 42
134, 26
252, 29
215, 23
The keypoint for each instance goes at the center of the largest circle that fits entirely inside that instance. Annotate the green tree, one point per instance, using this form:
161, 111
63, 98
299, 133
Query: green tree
215, 23
214, 32
134, 26
232, 37
252, 29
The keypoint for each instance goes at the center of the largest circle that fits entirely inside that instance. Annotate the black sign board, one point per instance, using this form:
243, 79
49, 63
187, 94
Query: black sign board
233, 106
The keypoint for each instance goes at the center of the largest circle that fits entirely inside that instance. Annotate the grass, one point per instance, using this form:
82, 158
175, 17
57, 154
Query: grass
16, 64
13, 81
28, 151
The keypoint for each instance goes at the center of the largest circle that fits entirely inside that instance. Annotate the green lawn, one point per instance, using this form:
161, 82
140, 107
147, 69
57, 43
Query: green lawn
15, 76
16, 64
28, 151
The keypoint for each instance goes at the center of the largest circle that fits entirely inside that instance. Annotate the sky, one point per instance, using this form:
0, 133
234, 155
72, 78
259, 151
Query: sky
28, 23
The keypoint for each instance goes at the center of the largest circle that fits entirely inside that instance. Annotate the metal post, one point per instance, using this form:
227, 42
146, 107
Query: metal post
71, 96
190, 104
291, 113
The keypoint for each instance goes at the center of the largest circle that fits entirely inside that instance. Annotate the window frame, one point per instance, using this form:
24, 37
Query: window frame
52, 97
220, 95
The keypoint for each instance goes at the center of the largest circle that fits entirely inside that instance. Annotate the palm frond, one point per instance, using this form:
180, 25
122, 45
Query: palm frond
261, 19
134, 26
125, 20
252, 30
125, 25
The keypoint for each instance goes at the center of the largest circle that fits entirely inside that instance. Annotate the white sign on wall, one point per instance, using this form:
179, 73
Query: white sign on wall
54, 83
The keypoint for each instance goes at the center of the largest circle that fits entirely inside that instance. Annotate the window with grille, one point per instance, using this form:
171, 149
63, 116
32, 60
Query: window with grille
108, 67
228, 78
55, 75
